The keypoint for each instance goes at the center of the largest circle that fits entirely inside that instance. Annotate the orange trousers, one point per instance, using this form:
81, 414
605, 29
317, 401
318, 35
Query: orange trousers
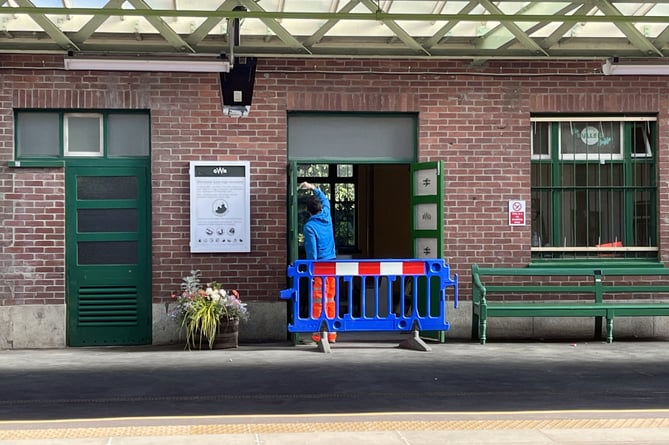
330, 305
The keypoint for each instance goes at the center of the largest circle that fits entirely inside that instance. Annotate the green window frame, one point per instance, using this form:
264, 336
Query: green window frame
593, 187
340, 183
48, 137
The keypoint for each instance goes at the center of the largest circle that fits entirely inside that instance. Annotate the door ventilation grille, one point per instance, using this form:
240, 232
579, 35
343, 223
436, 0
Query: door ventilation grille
107, 306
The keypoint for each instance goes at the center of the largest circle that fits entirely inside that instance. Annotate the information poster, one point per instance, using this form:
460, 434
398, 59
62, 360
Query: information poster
220, 198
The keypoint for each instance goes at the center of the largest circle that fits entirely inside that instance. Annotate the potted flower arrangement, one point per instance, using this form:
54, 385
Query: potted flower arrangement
208, 312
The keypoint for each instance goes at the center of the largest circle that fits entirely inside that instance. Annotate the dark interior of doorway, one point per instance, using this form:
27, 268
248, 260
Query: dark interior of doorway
370, 206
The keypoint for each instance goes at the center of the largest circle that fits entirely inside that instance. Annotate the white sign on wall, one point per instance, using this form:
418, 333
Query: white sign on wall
220, 206
517, 212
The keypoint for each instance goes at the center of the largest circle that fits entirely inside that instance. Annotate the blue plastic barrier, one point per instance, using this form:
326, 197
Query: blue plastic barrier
372, 295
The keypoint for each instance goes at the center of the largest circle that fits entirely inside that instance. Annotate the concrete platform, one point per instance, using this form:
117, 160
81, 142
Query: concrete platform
366, 391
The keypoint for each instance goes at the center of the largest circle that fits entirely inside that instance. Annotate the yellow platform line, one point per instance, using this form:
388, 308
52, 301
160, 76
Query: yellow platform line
201, 428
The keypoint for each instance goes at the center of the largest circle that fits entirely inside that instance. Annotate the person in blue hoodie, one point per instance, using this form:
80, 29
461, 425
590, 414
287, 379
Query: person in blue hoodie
319, 244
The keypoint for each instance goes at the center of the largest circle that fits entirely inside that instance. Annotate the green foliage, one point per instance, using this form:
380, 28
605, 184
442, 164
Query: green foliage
201, 310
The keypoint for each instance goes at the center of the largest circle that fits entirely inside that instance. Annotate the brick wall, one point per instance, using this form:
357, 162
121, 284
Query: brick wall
475, 119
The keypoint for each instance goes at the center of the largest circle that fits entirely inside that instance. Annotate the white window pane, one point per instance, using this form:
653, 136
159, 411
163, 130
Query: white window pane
83, 134
128, 135
37, 135
590, 140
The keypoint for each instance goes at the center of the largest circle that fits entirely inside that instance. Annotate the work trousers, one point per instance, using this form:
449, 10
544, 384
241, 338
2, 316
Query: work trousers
330, 305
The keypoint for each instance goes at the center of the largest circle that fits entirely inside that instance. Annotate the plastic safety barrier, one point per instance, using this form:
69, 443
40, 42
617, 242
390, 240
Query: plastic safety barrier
370, 295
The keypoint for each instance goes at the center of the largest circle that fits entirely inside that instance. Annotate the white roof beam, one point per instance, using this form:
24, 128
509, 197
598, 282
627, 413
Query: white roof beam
438, 7
327, 26
281, 32
163, 28
94, 23
635, 37
334, 5
565, 27
437, 36
209, 23
49, 27
662, 38
398, 30
500, 34
514, 29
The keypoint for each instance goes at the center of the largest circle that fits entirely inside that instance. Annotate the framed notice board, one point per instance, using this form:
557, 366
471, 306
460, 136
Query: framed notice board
220, 201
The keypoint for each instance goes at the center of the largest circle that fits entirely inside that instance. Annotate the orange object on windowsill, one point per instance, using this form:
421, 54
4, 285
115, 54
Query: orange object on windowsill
609, 245
613, 244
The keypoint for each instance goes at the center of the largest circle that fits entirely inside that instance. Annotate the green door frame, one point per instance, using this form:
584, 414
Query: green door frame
427, 226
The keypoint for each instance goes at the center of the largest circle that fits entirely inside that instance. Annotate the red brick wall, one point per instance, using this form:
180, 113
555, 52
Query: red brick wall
475, 119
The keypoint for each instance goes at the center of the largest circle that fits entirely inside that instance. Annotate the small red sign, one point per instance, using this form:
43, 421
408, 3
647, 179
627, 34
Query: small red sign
517, 212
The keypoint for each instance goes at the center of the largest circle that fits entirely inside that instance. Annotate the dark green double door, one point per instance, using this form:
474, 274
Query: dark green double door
108, 260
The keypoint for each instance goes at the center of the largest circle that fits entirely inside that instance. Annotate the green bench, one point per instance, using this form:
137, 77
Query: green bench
566, 292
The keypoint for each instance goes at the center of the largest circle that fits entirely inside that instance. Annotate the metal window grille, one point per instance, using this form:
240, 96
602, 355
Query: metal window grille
593, 188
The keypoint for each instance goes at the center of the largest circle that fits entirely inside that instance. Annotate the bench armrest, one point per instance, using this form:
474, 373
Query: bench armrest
478, 289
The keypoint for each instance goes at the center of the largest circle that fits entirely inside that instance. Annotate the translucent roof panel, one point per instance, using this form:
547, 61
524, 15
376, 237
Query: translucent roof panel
477, 29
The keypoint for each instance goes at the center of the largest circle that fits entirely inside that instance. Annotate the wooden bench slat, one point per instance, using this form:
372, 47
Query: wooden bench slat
536, 288
643, 288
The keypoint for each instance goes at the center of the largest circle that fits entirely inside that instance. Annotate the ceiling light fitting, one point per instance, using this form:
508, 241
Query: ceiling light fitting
164, 65
629, 69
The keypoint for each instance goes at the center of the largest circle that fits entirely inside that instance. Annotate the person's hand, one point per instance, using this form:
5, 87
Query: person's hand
306, 186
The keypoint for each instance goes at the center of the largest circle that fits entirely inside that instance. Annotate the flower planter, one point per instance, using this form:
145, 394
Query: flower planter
228, 334
208, 314
226, 338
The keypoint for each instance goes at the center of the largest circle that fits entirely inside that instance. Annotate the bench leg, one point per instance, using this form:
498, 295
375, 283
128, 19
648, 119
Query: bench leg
483, 323
609, 330
598, 328
483, 326
475, 326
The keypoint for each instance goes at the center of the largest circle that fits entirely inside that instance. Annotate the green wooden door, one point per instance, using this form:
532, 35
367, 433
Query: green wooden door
427, 227
108, 279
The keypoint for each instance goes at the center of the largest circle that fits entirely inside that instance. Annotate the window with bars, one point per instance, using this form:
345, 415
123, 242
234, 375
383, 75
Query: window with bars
593, 187
339, 183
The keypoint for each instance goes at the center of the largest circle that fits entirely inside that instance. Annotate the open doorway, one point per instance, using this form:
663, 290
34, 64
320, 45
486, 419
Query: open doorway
370, 207
363, 161
384, 204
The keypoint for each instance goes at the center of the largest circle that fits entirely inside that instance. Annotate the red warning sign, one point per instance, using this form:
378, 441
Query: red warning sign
517, 212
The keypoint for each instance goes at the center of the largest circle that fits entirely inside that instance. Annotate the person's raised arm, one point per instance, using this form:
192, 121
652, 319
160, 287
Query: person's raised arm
325, 201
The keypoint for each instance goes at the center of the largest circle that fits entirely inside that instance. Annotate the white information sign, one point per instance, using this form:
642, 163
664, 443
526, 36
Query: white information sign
426, 248
220, 206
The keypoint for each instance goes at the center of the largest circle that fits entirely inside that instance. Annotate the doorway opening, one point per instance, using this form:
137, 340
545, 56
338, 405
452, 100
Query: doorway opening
370, 205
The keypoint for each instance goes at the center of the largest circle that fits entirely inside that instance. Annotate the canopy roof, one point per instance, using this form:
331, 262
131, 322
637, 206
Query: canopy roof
476, 29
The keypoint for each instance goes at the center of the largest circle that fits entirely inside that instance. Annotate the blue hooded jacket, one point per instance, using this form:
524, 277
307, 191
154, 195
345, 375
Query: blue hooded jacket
319, 241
